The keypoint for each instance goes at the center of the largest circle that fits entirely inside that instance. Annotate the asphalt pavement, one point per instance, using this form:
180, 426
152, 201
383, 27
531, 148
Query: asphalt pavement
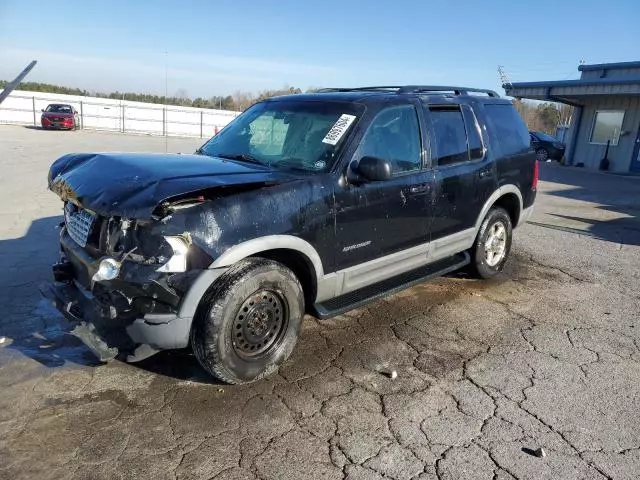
546, 357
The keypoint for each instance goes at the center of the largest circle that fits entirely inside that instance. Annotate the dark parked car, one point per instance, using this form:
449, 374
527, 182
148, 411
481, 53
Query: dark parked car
311, 203
547, 147
60, 116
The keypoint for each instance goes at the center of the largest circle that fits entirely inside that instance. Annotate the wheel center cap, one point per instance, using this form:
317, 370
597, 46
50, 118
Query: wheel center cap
258, 323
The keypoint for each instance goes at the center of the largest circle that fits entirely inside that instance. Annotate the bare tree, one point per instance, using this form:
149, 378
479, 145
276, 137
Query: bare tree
543, 116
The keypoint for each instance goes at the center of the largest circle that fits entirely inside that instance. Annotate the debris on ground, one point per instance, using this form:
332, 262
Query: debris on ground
539, 452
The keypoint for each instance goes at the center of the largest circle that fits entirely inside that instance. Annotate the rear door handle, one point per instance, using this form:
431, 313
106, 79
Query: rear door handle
424, 187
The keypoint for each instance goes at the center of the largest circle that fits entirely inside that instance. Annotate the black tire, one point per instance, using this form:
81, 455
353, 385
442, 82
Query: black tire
222, 335
542, 155
481, 262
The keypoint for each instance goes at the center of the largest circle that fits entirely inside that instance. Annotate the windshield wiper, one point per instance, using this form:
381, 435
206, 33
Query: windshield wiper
293, 166
243, 157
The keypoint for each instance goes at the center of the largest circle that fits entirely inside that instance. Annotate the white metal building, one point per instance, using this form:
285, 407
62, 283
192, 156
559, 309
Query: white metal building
607, 109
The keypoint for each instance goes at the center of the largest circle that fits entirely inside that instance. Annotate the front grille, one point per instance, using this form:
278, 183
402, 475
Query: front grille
79, 223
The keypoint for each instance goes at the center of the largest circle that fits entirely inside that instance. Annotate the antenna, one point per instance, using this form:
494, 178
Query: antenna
504, 78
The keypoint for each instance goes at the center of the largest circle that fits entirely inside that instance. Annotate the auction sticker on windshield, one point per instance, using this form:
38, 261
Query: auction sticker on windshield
339, 128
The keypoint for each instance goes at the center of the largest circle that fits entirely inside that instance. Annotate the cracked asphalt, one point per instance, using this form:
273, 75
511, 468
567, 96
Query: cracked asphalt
547, 355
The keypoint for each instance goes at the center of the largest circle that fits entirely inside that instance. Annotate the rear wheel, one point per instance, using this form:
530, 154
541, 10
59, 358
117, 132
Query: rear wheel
248, 322
493, 244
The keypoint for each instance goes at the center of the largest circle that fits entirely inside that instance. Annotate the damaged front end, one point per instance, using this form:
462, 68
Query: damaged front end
140, 234
123, 284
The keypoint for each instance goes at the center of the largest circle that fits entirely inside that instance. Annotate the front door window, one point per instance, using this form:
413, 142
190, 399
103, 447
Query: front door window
394, 135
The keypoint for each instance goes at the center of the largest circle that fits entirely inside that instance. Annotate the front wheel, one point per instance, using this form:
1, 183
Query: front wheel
493, 244
248, 322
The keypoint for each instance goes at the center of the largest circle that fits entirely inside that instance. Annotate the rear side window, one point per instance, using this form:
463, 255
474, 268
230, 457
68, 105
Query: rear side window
451, 135
509, 128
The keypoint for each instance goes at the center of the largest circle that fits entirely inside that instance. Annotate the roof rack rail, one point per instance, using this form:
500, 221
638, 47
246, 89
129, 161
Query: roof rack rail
414, 89
441, 88
359, 89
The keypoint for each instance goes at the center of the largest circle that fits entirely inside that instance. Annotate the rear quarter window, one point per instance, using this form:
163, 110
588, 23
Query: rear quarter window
508, 128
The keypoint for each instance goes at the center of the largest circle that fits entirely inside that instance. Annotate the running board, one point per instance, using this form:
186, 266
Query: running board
357, 298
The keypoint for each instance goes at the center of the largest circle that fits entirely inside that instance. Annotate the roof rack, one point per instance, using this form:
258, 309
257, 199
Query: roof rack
359, 89
415, 89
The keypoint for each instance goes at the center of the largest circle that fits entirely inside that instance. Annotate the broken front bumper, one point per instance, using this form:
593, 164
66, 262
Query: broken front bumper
69, 300
131, 315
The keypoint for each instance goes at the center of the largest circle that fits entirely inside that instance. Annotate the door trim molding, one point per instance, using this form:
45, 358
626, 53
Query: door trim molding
378, 269
373, 271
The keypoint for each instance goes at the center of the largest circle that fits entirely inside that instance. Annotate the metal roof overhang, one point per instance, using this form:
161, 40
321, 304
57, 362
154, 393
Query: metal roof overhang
573, 92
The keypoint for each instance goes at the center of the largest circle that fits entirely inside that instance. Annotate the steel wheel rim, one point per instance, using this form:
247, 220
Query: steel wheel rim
259, 324
495, 246
542, 154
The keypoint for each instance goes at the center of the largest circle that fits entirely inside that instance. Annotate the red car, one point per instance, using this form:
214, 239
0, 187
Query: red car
60, 116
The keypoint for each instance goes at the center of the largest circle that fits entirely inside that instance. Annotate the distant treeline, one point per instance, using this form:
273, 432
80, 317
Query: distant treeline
544, 116
237, 102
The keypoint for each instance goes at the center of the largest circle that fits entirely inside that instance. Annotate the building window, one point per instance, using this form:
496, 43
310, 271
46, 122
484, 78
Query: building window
607, 126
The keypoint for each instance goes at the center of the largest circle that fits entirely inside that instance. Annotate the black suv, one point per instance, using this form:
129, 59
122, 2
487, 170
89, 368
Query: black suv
310, 203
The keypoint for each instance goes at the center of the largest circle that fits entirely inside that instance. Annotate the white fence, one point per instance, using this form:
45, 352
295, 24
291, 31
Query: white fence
24, 108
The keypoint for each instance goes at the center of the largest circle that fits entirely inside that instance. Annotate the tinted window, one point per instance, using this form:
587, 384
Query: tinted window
546, 137
451, 136
476, 148
59, 109
394, 135
508, 127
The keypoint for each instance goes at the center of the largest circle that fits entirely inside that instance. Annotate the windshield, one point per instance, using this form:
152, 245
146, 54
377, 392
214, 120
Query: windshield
287, 134
545, 137
59, 109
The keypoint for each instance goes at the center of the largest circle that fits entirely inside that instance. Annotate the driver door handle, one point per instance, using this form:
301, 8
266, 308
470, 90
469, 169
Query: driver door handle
421, 188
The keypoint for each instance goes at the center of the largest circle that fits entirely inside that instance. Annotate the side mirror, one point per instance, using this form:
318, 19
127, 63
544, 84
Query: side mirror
373, 168
42, 109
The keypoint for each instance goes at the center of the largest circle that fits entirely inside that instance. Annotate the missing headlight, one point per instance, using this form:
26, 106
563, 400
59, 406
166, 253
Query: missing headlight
178, 261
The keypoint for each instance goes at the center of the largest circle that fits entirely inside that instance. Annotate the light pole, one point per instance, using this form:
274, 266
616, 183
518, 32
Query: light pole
166, 95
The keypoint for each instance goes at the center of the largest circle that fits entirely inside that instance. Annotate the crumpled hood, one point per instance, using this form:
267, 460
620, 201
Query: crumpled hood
132, 185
